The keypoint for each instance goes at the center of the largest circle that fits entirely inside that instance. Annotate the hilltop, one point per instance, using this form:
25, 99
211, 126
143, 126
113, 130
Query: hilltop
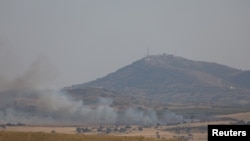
163, 89
170, 79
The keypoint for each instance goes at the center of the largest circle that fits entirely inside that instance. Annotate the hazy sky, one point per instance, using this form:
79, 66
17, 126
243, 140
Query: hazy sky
81, 40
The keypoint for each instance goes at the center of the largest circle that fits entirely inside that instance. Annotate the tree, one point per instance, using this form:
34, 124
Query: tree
78, 130
140, 128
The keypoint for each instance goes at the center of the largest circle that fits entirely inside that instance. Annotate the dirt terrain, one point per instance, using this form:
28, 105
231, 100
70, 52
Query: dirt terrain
195, 131
238, 116
161, 131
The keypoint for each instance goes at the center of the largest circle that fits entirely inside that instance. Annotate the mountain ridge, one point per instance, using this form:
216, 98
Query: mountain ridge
165, 76
154, 84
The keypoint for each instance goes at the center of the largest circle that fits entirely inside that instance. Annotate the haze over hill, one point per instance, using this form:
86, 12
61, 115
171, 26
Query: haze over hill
86, 39
139, 93
172, 79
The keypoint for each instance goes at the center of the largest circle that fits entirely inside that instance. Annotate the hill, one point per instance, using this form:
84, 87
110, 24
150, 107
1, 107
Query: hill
156, 89
171, 80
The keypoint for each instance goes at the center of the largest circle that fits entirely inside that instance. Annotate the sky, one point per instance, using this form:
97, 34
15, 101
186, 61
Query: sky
57, 43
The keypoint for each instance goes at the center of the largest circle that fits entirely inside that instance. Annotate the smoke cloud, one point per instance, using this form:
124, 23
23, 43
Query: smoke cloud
39, 75
26, 98
56, 107
62, 107
14, 74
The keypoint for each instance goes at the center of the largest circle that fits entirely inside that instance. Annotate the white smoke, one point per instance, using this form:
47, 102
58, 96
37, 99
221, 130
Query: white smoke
56, 107
136, 116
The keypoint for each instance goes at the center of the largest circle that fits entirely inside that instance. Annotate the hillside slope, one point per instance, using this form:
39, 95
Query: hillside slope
171, 79
160, 88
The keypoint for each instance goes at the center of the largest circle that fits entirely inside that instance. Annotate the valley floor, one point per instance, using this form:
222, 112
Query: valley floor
195, 131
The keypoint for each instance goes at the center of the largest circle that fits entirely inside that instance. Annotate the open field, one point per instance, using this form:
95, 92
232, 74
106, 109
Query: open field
237, 116
154, 132
193, 131
39, 136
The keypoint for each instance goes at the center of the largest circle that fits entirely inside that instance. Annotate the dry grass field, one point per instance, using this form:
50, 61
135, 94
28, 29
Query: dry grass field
195, 131
238, 116
147, 133
40, 136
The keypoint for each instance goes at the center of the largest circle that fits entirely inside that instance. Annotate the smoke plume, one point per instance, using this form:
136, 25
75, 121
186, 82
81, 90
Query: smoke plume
56, 107
26, 98
40, 74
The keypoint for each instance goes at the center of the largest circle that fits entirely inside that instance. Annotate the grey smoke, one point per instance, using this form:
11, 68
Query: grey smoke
60, 108
136, 116
39, 74
25, 97
63, 107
